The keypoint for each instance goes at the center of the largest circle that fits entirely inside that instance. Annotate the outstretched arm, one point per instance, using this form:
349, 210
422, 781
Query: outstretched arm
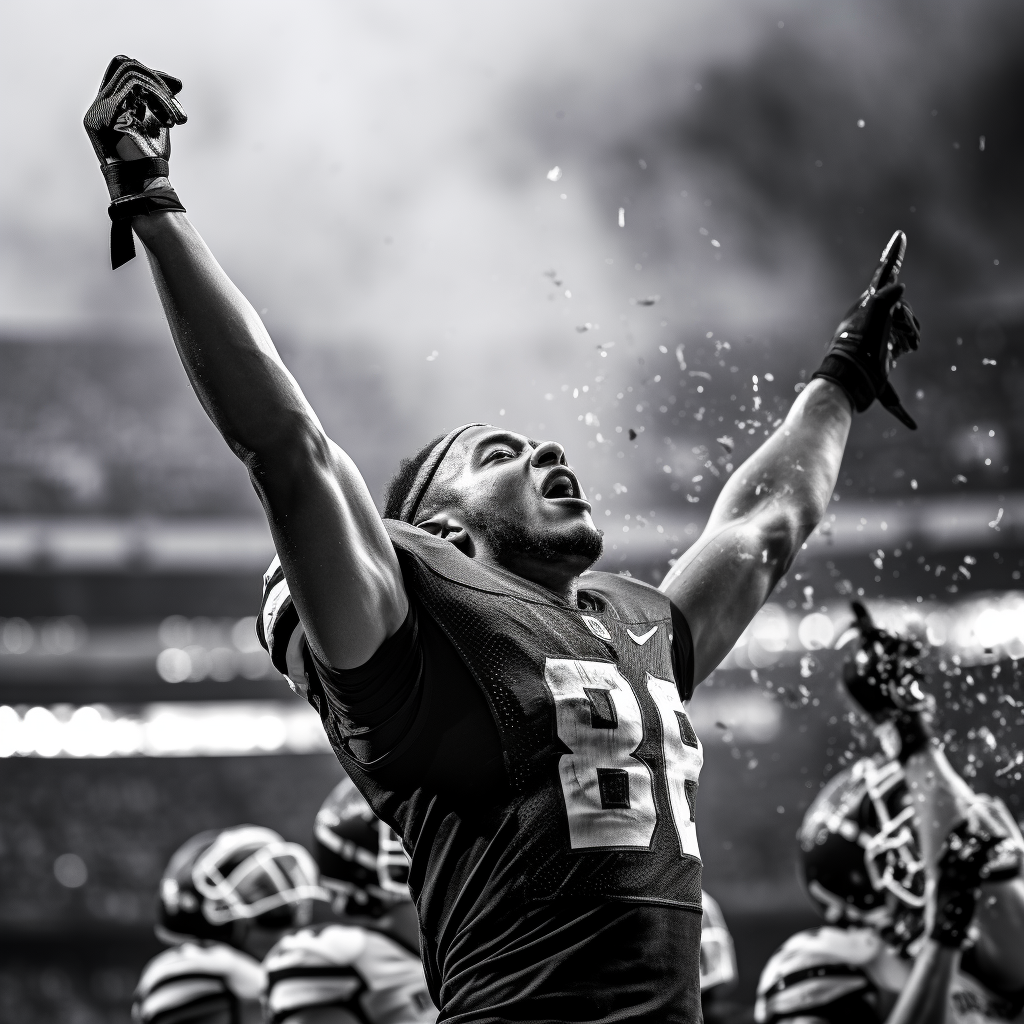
776, 498
341, 568
765, 512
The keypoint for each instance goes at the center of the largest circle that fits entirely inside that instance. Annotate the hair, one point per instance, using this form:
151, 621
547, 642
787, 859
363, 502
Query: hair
401, 483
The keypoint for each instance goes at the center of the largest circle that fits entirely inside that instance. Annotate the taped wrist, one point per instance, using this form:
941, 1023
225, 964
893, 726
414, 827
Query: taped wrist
847, 374
129, 177
121, 211
953, 919
915, 733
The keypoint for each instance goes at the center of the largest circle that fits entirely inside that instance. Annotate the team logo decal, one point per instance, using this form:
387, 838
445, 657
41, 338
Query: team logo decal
597, 627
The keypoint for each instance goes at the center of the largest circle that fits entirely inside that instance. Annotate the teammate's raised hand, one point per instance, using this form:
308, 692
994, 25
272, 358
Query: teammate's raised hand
877, 329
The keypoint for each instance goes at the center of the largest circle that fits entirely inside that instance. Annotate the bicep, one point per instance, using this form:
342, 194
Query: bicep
339, 562
723, 580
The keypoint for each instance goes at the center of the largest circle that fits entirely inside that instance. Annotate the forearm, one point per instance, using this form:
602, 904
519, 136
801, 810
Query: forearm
763, 515
941, 799
795, 470
925, 997
227, 353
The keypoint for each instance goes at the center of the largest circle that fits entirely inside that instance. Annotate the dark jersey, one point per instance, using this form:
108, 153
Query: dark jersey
539, 764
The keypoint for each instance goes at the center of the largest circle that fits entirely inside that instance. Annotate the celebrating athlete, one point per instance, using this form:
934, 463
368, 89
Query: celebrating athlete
518, 720
916, 875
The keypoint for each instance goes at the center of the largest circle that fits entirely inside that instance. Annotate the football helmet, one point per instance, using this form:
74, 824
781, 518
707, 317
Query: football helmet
360, 857
243, 874
858, 845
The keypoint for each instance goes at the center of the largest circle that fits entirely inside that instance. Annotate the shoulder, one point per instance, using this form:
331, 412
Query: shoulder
345, 965
629, 597
332, 945
815, 968
192, 975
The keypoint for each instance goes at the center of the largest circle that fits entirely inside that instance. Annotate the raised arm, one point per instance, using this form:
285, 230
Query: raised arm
341, 567
776, 498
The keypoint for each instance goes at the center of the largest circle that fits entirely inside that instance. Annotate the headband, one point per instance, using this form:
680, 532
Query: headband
426, 472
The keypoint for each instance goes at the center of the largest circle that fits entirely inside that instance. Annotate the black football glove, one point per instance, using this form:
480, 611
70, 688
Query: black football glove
885, 677
877, 329
129, 126
980, 849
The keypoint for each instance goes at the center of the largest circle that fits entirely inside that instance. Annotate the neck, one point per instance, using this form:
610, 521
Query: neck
562, 580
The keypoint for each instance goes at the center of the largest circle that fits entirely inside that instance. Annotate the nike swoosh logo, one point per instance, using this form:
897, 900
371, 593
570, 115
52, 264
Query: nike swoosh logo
641, 640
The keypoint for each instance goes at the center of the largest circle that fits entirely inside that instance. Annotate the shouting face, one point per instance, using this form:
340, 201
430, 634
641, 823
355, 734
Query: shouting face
501, 496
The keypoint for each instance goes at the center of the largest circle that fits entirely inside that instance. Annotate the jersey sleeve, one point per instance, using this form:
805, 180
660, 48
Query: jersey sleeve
346, 968
195, 983
682, 653
373, 707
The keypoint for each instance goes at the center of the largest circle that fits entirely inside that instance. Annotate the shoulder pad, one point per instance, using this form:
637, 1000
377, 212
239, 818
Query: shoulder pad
814, 968
191, 974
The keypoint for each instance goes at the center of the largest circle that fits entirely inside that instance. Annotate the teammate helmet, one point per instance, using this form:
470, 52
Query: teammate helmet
858, 844
246, 873
360, 857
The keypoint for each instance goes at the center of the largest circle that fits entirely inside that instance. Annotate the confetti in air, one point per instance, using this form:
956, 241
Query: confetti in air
555, 173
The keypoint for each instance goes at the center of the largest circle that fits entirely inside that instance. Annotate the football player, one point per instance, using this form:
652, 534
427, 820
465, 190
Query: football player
916, 875
224, 898
367, 968
519, 721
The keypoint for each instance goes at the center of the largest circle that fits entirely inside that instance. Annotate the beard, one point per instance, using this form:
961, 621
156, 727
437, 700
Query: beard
511, 540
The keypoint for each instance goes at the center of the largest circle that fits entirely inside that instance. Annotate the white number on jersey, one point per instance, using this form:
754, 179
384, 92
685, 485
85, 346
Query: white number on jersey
608, 792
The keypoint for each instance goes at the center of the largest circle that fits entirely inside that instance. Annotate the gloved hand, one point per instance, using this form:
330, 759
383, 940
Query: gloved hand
877, 329
980, 849
129, 126
884, 678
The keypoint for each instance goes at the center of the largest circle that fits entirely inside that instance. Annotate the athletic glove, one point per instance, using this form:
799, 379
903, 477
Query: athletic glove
980, 849
884, 678
129, 127
877, 329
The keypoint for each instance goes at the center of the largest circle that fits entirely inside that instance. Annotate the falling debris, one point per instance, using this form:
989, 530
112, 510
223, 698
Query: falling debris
959, 479
433, 355
632, 434
680, 357
620, 488
622, 216
555, 173
994, 525
700, 373
583, 328
649, 301
727, 443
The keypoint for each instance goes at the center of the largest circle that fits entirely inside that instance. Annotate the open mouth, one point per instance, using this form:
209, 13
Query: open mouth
560, 483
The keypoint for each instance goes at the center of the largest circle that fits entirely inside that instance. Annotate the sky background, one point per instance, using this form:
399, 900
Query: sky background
375, 177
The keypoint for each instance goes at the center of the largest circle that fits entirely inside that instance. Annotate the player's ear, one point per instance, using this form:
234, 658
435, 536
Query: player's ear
451, 529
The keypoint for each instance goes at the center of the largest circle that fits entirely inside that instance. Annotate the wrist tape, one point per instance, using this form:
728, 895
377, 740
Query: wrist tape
121, 211
953, 919
843, 371
129, 177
